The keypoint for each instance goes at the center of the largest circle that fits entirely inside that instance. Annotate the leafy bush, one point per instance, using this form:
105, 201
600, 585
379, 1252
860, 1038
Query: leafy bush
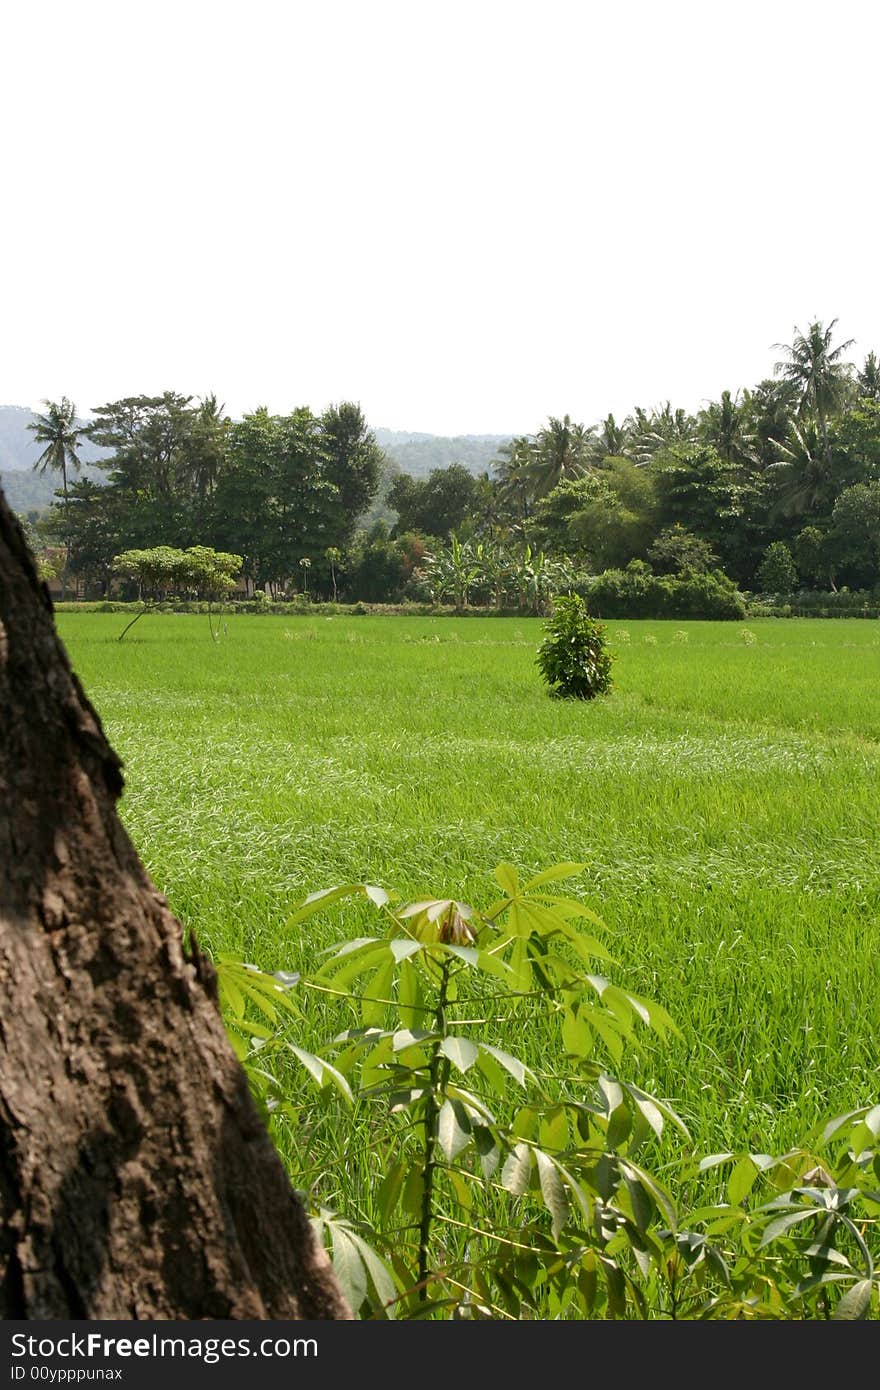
501, 1192
637, 593
777, 572
573, 658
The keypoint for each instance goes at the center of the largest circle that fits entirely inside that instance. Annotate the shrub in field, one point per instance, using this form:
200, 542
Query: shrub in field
573, 657
710, 595
637, 593
777, 572
499, 1191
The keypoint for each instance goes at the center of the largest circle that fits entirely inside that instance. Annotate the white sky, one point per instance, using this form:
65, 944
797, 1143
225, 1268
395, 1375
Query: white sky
466, 216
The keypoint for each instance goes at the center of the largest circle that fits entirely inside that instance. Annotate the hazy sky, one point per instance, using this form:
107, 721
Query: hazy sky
466, 216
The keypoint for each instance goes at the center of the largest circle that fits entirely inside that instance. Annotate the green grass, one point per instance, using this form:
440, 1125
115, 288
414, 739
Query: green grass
723, 799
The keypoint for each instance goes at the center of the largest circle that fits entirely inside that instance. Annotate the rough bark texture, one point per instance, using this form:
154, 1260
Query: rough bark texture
136, 1177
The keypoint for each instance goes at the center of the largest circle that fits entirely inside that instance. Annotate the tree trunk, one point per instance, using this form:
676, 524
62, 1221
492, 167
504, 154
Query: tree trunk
137, 1179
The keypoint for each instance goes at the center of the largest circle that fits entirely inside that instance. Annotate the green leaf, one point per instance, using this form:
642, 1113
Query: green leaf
616, 1286
410, 996
741, 1180
359, 963
577, 1036
487, 1148
856, 1302
493, 1073
348, 1267
339, 949
713, 1161
573, 907
316, 902
553, 1192
587, 1281
611, 1092
409, 1037
377, 896
586, 947
462, 1189
389, 1190
254, 1030
658, 1194
517, 1170
402, 948
230, 994
619, 1126
376, 990
541, 920
322, 1072
474, 1105
553, 1130
608, 1032
641, 1202
465, 953
453, 1128
517, 921
872, 1120
261, 999
520, 966
650, 1111
413, 1188
784, 1223
577, 1192
718, 1265
378, 1272
525, 1122
461, 1052
491, 964
433, 908
840, 1122
507, 879
512, 1065
622, 1003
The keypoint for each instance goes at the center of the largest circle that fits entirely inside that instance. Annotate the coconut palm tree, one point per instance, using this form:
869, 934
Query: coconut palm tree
818, 372
562, 453
869, 378
612, 441
806, 484
651, 431
57, 429
725, 425
514, 470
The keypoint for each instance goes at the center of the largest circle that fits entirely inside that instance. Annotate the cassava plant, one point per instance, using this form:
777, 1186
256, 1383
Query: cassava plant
495, 1190
573, 658
504, 1193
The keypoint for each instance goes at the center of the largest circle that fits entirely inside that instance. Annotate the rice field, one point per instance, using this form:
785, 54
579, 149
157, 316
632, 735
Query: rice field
724, 800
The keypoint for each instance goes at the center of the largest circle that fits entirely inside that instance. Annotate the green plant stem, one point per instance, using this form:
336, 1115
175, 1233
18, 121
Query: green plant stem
438, 1075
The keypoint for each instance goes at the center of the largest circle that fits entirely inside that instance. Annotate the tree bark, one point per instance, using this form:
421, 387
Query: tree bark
137, 1179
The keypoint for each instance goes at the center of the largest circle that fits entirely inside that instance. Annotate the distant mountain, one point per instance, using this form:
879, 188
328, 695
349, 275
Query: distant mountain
18, 448
417, 454
26, 490
408, 450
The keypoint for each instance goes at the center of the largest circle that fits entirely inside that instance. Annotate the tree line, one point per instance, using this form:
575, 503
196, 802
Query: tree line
274, 489
776, 487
